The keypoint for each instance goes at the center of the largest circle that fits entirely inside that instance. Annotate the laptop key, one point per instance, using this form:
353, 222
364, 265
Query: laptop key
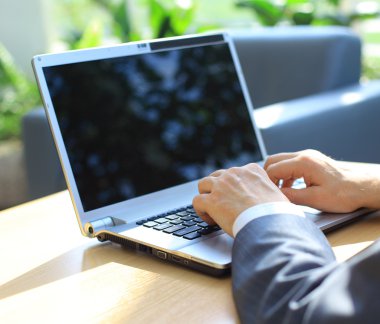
140, 222
187, 218
203, 224
161, 220
176, 221
172, 229
209, 230
172, 216
182, 213
186, 231
192, 235
162, 226
189, 223
150, 224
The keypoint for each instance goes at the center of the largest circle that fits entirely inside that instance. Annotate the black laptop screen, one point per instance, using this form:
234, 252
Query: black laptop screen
137, 124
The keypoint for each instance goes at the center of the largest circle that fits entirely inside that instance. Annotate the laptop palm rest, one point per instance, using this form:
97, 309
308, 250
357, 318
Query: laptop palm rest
217, 250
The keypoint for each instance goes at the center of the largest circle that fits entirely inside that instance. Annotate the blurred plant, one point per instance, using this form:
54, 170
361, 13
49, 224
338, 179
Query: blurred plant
166, 18
371, 68
91, 36
309, 12
18, 94
118, 12
170, 20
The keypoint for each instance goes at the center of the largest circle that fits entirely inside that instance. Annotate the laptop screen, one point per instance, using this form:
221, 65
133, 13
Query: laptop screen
137, 124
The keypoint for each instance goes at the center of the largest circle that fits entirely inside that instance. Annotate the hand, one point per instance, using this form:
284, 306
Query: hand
330, 185
226, 193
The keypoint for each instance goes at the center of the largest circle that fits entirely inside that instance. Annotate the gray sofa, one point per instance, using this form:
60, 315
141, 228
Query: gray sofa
305, 87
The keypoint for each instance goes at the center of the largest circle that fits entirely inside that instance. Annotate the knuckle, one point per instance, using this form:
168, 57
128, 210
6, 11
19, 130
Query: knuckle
253, 166
269, 160
312, 153
270, 169
305, 158
233, 170
195, 201
215, 196
200, 182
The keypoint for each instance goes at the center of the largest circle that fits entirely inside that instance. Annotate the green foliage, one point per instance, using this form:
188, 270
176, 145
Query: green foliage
169, 20
268, 14
165, 19
371, 68
18, 94
316, 13
120, 20
92, 36
304, 12
80, 23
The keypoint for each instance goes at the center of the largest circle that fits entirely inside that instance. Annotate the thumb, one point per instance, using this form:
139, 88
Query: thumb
305, 196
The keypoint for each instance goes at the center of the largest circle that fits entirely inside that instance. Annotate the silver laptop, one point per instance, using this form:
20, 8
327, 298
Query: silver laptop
136, 125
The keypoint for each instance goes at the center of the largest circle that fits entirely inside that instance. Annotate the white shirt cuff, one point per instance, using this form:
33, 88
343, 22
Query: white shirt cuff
266, 209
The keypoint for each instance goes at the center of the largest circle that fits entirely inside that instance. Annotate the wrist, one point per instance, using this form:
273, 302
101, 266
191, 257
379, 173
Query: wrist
368, 192
264, 209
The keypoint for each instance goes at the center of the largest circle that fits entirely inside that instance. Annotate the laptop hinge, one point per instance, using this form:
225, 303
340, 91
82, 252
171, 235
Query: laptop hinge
95, 226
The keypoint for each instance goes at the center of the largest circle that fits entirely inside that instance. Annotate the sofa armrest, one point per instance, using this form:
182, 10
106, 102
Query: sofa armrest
44, 172
343, 123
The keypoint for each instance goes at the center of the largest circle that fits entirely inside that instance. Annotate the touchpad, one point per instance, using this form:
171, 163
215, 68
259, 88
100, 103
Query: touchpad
217, 249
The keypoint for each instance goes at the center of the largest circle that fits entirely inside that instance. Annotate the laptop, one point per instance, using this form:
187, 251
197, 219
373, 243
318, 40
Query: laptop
137, 125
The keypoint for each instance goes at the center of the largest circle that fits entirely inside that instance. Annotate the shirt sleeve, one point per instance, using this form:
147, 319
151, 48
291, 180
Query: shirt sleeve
266, 209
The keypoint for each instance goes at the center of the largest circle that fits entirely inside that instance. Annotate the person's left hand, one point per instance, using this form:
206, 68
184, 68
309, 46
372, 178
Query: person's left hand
225, 194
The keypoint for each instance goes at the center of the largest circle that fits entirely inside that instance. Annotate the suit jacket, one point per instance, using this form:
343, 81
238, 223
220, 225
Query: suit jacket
284, 271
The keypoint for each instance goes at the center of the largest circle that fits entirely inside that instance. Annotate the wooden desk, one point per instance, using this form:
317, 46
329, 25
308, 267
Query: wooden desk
50, 273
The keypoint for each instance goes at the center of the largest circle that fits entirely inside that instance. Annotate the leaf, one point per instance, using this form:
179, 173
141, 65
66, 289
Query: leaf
92, 35
181, 19
297, 2
335, 3
159, 18
206, 28
269, 14
121, 20
303, 18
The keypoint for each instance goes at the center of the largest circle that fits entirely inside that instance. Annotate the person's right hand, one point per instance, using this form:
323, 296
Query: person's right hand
330, 185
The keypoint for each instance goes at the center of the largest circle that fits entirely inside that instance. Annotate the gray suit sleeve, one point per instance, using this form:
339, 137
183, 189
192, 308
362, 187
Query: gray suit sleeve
284, 271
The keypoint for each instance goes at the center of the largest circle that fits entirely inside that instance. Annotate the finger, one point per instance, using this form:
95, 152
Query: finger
217, 173
275, 158
207, 218
287, 170
200, 206
205, 185
306, 197
287, 183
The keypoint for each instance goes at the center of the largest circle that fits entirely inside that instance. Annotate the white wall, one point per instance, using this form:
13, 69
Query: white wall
24, 29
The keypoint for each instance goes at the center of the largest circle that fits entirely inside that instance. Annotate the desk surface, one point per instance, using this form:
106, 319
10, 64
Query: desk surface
51, 273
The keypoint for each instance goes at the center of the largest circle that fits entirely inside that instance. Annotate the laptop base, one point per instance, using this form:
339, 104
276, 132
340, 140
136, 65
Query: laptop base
164, 255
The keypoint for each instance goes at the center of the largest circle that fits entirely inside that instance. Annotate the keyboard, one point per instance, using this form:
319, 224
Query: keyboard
182, 222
